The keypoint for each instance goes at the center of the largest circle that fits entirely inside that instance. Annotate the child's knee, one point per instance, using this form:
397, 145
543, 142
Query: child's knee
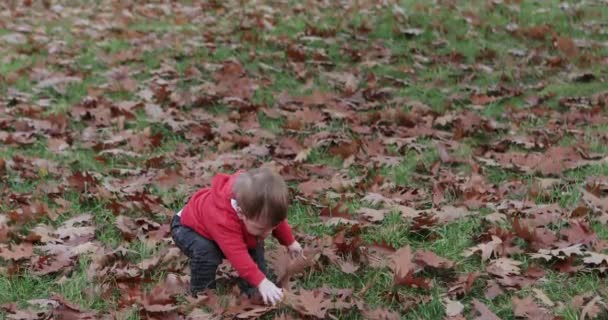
207, 252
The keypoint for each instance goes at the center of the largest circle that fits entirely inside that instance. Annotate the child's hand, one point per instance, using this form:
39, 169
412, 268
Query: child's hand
295, 250
270, 292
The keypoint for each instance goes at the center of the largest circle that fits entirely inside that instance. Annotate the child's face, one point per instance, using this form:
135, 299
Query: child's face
257, 227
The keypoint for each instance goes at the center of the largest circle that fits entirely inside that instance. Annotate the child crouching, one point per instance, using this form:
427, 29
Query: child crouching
230, 219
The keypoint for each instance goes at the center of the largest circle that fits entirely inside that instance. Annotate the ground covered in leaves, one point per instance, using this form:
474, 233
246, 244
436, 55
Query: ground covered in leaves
447, 160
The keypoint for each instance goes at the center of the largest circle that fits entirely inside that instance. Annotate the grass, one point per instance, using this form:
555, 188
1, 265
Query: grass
431, 83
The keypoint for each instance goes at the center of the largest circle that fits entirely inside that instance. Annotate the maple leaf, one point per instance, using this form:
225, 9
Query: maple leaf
579, 232
375, 199
372, 215
493, 290
453, 308
132, 228
463, 285
246, 309
430, 259
311, 187
16, 252
597, 259
403, 269
538, 237
336, 211
378, 255
82, 181
308, 303
487, 250
348, 266
589, 306
559, 253
44, 265
484, 313
68, 310
285, 267
380, 314
528, 309
508, 273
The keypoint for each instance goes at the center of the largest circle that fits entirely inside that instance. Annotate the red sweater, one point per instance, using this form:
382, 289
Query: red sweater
210, 214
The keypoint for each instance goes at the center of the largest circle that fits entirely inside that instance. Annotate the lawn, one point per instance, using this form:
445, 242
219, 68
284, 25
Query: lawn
446, 159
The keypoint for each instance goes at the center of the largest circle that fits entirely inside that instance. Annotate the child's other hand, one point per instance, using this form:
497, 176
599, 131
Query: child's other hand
271, 294
295, 250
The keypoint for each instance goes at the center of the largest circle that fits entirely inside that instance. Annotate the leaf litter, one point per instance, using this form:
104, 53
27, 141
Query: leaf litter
147, 125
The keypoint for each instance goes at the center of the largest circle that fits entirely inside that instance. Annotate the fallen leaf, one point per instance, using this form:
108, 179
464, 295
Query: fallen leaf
453, 308
430, 259
309, 303
591, 309
528, 309
380, 314
540, 295
484, 313
16, 252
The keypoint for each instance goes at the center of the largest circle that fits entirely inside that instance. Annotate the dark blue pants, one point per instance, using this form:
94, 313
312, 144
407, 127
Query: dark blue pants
205, 256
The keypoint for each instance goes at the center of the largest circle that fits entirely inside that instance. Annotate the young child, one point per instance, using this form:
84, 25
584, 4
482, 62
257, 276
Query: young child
230, 219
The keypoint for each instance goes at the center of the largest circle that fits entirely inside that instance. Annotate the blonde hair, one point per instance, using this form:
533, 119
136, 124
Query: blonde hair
262, 194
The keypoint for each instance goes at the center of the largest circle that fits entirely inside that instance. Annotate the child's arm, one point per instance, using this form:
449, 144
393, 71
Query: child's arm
230, 241
283, 233
285, 236
234, 248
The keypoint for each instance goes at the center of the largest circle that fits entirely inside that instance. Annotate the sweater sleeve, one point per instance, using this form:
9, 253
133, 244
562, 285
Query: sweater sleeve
230, 240
283, 233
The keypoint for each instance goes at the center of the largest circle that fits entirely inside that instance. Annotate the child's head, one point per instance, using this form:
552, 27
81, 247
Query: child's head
263, 198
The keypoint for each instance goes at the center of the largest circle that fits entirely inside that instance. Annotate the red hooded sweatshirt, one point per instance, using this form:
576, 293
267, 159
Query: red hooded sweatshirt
210, 213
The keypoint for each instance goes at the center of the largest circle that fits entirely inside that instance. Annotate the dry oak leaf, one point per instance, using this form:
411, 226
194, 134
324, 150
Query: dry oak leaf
559, 253
484, 313
453, 308
403, 269
309, 303
285, 267
528, 309
380, 314
16, 252
431, 259
487, 250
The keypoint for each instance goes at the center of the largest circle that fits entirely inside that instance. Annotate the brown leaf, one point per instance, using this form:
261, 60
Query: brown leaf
372, 215
463, 285
309, 303
484, 313
402, 263
44, 265
403, 269
68, 310
493, 290
528, 309
132, 228
285, 267
82, 181
16, 252
58, 145
567, 46
430, 259
540, 295
560, 253
311, 187
591, 310
246, 309
348, 266
453, 308
487, 250
380, 314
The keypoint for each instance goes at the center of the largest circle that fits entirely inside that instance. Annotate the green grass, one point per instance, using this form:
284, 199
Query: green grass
441, 84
